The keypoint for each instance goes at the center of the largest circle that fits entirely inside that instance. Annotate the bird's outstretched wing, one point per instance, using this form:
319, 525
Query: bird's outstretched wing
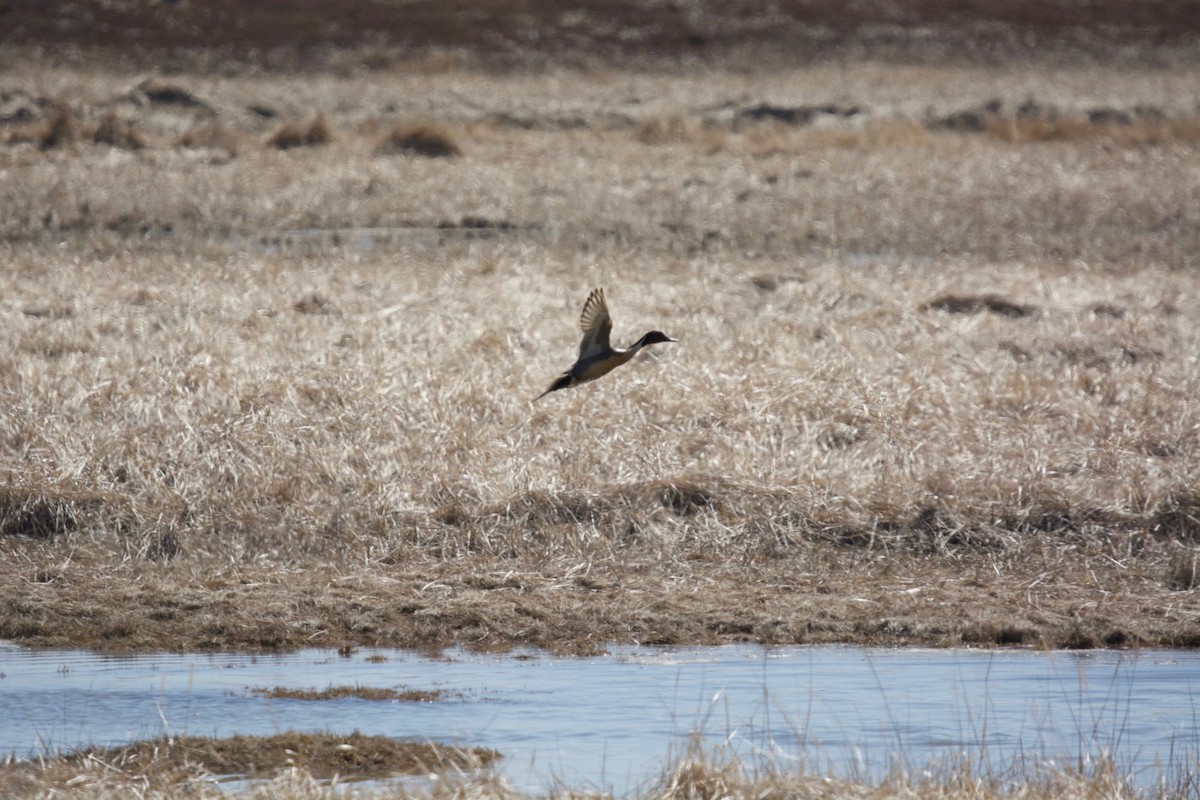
596, 325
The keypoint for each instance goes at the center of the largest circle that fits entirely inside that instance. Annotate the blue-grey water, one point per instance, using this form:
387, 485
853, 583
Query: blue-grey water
614, 722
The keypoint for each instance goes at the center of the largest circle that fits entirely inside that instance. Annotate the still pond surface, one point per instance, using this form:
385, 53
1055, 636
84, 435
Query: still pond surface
614, 722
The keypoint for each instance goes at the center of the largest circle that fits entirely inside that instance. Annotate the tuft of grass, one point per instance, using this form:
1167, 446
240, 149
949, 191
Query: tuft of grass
658, 130
60, 129
426, 139
359, 692
314, 303
1139, 126
155, 91
115, 132
42, 515
313, 133
971, 304
181, 763
212, 134
1183, 573
700, 774
1033, 121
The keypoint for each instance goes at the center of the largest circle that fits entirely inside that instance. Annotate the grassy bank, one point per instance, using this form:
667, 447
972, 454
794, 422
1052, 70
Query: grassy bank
322, 766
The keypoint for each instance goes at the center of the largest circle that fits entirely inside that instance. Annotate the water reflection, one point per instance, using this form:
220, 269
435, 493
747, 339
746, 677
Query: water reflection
612, 723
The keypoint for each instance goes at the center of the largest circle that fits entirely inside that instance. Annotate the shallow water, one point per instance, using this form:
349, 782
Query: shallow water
612, 723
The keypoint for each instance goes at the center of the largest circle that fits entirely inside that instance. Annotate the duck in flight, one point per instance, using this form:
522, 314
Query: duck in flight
596, 356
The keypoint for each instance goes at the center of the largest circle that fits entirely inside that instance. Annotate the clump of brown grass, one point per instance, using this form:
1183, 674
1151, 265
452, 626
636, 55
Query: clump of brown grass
706, 774
886, 132
181, 763
45, 514
1183, 573
791, 115
315, 303
663, 130
313, 133
116, 132
43, 519
1033, 121
358, 692
1140, 126
696, 780
419, 140
971, 304
212, 134
158, 92
61, 128
51, 311
968, 120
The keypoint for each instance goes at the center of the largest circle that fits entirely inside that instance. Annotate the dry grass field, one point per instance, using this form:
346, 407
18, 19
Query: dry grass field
271, 335
935, 382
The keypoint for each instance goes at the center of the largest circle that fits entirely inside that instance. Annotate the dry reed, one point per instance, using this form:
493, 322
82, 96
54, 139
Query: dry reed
300, 766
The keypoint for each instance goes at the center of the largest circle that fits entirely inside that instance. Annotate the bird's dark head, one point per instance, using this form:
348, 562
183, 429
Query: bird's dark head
655, 337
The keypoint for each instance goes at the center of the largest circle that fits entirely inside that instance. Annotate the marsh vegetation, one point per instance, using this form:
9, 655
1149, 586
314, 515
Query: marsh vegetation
933, 385
271, 329
315, 766
343, 692
186, 765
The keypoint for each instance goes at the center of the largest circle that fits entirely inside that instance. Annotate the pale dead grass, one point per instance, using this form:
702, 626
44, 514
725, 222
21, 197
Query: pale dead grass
277, 398
184, 769
190, 766
648, 161
379, 475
